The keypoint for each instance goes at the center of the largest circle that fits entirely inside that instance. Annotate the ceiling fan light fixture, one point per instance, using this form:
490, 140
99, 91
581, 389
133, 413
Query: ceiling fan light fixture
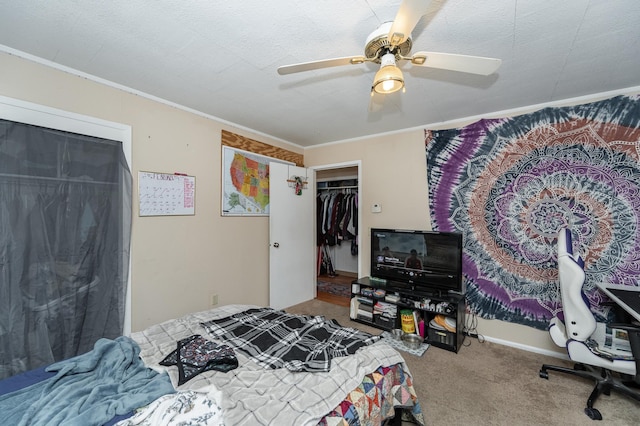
389, 77
391, 42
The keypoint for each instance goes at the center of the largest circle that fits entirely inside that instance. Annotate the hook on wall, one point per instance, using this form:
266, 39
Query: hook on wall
298, 183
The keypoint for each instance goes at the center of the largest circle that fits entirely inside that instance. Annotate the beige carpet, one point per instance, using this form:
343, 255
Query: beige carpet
491, 384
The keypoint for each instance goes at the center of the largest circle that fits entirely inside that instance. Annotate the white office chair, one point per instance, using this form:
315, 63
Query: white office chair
576, 330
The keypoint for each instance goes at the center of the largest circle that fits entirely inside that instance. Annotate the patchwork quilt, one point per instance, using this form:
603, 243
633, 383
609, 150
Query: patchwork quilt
375, 400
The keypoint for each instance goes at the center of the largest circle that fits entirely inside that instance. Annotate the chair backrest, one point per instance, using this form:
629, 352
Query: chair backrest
578, 319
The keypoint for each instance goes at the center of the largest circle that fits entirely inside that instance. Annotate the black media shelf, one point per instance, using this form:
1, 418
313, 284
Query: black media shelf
448, 306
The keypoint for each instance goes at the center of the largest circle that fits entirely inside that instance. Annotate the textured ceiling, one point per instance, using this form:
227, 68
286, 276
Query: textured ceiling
220, 57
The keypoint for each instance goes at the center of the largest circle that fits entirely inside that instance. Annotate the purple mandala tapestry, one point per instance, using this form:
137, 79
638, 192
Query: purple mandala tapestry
508, 185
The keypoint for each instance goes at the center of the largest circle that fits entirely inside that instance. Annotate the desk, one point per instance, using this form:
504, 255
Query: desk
628, 297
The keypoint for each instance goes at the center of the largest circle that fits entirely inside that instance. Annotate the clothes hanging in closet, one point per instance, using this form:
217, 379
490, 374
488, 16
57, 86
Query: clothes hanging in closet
337, 216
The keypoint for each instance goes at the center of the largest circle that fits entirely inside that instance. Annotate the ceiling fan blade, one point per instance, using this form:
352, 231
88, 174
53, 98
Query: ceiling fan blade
371, 102
325, 63
453, 62
406, 19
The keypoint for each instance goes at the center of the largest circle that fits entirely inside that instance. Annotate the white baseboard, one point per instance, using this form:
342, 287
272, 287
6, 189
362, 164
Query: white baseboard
526, 347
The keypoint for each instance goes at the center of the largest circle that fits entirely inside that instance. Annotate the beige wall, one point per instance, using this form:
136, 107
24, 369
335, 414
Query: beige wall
394, 175
179, 262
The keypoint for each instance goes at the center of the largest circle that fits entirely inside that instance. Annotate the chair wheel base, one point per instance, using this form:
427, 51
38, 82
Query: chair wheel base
543, 374
593, 413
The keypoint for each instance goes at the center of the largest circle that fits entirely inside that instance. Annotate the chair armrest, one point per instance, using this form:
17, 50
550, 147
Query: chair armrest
634, 336
625, 326
619, 314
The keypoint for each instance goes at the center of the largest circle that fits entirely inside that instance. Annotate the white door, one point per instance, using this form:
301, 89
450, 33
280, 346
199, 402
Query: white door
292, 253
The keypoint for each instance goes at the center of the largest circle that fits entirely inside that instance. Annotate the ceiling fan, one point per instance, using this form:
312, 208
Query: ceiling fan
391, 43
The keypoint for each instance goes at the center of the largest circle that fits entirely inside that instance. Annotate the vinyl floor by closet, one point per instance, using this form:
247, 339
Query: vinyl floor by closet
340, 279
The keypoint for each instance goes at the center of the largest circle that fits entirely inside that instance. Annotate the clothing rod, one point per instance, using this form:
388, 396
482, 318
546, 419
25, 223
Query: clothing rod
338, 187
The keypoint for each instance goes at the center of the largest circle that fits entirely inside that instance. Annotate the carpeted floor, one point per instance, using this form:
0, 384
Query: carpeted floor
491, 384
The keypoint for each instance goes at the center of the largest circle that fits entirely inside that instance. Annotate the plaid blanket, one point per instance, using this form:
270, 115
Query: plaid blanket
276, 339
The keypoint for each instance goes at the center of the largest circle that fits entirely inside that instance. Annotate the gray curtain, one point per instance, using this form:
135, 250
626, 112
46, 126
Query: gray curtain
65, 226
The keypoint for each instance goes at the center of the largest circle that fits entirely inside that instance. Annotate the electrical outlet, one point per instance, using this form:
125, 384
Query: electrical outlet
214, 299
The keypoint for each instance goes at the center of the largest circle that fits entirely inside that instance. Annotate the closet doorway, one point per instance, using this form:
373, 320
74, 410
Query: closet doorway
337, 230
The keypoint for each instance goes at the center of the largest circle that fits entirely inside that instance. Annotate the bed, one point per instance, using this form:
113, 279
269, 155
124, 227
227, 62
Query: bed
252, 380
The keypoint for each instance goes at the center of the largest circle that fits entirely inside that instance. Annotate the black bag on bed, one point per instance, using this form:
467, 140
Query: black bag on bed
196, 354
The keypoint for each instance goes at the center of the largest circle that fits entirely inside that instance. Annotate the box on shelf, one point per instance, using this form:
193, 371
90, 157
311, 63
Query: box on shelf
441, 336
393, 298
384, 321
364, 315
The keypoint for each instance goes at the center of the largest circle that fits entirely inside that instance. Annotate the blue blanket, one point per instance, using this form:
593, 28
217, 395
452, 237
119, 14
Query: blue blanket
88, 389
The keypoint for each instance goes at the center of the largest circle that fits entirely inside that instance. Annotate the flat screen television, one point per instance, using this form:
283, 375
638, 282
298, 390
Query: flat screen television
429, 261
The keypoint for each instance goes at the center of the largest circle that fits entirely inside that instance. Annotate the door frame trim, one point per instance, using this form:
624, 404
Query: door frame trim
343, 165
54, 118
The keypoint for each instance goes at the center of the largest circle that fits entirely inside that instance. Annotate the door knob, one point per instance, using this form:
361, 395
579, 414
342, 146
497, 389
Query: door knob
276, 245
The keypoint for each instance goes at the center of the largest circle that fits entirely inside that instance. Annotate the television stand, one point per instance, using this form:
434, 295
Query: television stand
392, 297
